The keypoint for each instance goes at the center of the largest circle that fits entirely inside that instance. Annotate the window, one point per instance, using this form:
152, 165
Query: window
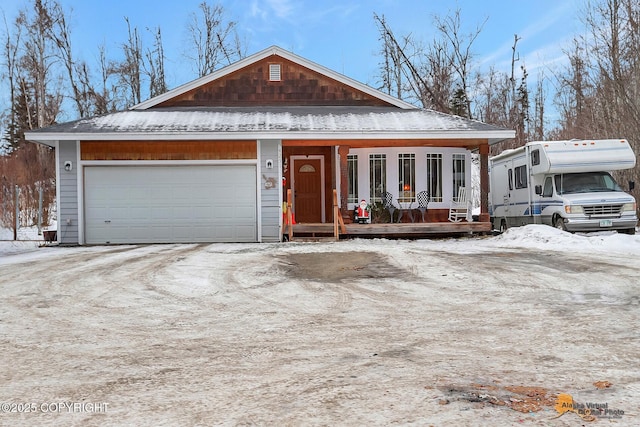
521, 176
377, 177
535, 157
274, 73
434, 177
510, 173
459, 177
352, 176
585, 182
547, 191
406, 177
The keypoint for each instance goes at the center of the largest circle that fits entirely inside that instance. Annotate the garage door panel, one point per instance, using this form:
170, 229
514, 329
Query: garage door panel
147, 204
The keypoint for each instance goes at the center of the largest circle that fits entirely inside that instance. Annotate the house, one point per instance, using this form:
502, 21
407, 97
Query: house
212, 160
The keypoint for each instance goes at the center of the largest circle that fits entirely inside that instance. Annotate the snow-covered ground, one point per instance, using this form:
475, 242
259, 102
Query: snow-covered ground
466, 331
28, 239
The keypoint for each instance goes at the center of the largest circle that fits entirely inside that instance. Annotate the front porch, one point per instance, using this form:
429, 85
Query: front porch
402, 230
409, 230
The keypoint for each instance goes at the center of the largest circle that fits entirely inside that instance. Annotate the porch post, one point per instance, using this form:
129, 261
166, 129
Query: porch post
484, 183
343, 151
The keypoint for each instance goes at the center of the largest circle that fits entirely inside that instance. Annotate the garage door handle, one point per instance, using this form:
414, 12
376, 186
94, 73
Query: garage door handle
108, 221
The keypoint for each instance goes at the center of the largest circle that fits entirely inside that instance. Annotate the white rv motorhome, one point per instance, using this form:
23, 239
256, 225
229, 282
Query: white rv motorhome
565, 184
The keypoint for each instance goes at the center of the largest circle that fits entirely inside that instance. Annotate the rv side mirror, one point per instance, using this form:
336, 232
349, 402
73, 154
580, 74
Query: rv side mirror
538, 189
632, 185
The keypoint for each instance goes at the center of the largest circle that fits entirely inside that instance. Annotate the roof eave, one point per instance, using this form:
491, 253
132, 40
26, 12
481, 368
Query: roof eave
493, 141
50, 139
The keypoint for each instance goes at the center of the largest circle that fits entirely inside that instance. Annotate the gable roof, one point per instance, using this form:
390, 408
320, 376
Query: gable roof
154, 120
264, 54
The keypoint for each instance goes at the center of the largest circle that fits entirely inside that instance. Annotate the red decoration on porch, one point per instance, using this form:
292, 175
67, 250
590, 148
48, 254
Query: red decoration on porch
362, 212
284, 215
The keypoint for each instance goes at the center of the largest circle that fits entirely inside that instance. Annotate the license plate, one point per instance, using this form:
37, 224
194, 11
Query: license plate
606, 223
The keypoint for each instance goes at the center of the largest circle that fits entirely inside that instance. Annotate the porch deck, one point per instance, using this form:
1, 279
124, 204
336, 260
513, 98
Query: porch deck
402, 230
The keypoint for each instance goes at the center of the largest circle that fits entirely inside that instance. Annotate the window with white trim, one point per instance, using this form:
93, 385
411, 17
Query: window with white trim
352, 176
434, 177
406, 177
377, 177
459, 178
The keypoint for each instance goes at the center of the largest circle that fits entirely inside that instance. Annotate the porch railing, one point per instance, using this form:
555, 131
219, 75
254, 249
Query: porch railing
338, 222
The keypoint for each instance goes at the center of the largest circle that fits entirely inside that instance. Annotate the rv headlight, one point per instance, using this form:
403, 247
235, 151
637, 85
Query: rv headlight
629, 207
573, 209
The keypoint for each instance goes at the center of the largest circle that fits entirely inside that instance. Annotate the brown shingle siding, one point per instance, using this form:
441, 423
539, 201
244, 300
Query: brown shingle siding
251, 86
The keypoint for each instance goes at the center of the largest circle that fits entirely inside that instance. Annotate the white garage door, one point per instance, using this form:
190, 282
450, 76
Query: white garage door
170, 204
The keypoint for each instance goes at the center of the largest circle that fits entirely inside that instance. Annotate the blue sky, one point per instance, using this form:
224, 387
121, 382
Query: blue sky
340, 35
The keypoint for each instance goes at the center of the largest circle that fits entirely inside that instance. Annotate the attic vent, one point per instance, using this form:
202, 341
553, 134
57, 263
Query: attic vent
274, 72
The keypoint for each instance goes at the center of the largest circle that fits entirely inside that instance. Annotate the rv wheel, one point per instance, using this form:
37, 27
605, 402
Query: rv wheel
630, 231
558, 223
503, 226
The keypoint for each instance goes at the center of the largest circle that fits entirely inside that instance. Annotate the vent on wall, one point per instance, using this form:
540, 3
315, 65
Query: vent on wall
274, 72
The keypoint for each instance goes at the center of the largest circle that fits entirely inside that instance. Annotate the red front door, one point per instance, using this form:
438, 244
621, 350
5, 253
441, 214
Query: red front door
308, 190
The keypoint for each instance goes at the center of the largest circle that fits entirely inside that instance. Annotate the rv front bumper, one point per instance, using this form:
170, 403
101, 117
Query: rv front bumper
603, 224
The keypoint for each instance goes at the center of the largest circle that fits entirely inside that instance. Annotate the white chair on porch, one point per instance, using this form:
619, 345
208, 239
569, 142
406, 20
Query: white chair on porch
459, 207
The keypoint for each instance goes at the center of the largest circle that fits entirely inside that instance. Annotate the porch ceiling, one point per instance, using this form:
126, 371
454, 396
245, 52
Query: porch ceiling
373, 143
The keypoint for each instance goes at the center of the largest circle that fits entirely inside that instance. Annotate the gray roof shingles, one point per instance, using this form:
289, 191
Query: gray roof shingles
271, 119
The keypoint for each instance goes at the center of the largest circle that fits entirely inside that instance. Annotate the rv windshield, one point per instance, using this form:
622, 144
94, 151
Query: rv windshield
587, 182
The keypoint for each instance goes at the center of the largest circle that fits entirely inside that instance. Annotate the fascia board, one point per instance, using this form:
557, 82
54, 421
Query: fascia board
49, 139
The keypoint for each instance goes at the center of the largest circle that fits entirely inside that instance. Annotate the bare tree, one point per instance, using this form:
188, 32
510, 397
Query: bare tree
213, 39
154, 66
438, 75
38, 60
77, 72
494, 102
574, 94
537, 130
460, 53
404, 59
391, 68
108, 96
36, 92
438, 71
10, 55
598, 95
129, 71
615, 45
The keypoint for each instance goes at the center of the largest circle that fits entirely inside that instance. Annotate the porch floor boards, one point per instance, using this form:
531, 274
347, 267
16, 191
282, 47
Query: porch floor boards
413, 230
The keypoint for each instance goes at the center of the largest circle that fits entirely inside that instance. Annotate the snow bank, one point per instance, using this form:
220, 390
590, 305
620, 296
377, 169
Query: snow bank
549, 238
28, 240
17, 247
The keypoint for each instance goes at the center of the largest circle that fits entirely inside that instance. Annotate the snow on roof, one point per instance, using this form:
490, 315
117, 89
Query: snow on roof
267, 120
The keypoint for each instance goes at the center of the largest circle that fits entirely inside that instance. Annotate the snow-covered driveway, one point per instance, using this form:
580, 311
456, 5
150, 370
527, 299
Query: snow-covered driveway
365, 332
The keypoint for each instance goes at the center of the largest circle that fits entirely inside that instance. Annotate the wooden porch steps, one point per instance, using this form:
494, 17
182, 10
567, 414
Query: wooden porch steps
308, 239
